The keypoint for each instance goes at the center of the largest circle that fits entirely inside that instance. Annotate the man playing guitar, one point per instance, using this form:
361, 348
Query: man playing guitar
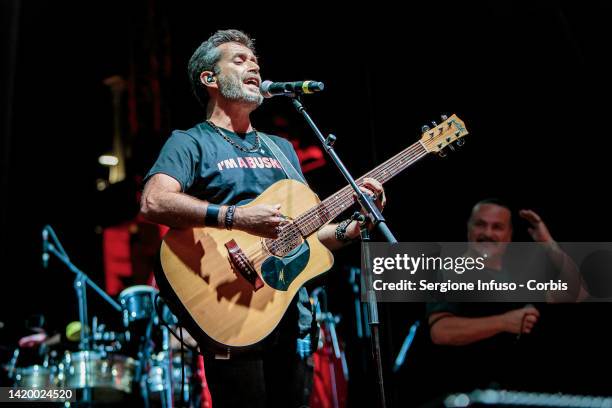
200, 177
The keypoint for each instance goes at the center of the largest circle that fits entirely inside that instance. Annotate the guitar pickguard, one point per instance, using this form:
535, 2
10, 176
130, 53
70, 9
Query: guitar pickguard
278, 273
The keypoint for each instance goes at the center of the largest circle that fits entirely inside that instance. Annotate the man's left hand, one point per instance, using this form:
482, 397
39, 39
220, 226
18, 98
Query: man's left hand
538, 230
375, 189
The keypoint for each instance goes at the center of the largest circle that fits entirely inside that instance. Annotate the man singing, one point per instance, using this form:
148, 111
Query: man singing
203, 174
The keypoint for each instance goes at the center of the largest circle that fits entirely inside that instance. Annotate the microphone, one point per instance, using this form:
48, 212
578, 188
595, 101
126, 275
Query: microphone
270, 89
45, 255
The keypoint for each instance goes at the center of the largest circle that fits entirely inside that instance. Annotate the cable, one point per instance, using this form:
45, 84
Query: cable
167, 325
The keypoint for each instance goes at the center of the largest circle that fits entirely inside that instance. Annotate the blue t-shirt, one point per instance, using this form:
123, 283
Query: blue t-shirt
211, 168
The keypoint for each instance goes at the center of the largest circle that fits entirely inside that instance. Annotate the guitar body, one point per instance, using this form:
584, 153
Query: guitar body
218, 304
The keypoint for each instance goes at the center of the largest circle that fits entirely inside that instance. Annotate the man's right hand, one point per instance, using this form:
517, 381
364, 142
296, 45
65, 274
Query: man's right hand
520, 320
261, 219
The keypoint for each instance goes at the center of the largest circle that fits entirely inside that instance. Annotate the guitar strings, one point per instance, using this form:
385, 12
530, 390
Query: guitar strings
346, 193
407, 158
410, 155
307, 220
286, 242
343, 196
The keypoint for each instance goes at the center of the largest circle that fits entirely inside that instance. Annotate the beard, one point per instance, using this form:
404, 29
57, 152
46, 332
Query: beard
233, 89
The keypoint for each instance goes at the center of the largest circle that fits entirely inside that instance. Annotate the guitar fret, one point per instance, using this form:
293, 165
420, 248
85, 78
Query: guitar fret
330, 208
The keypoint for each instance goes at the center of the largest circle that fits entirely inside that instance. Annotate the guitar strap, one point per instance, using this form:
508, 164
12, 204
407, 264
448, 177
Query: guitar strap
288, 168
304, 344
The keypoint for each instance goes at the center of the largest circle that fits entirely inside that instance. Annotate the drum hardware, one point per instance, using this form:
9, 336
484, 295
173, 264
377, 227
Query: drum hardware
137, 303
329, 322
106, 340
329, 356
12, 364
107, 374
34, 376
52, 245
158, 369
104, 363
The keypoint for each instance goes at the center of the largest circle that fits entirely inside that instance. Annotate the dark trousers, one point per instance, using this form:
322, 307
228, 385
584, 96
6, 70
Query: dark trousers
272, 375
276, 378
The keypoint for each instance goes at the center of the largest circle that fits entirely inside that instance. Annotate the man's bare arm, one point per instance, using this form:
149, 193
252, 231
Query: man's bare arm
450, 330
164, 203
568, 272
327, 235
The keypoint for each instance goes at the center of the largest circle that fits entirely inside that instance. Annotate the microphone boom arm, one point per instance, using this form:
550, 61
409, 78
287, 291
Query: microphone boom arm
80, 286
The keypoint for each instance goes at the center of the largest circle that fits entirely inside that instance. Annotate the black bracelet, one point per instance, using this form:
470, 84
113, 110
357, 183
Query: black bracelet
229, 217
211, 218
341, 231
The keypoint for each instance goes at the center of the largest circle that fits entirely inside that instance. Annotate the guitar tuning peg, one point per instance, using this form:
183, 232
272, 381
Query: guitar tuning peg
424, 128
434, 123
442, 154
443, 117
450, 146
460, 142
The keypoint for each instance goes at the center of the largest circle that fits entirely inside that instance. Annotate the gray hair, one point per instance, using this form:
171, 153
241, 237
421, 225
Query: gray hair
206, 57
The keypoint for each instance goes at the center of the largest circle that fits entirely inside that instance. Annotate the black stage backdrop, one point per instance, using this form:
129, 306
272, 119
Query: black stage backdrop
530, 80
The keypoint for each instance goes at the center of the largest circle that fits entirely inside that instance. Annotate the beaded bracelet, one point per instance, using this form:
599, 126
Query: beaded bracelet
229, 217
341, 231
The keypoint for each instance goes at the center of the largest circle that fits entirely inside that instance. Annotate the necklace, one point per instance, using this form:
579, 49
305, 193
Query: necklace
236, 145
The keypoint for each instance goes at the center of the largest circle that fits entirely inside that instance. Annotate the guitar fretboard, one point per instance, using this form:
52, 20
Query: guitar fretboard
334, 205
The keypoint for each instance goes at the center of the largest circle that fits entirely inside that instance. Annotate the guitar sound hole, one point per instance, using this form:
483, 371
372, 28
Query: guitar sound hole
288, 239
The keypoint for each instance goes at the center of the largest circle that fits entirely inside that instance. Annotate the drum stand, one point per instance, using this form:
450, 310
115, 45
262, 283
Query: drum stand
144, 356
80, 285
84, 344
167, 394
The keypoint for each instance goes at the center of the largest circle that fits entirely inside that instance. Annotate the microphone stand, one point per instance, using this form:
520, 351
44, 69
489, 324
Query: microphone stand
80, 285
376, 218
373, 213
373, 309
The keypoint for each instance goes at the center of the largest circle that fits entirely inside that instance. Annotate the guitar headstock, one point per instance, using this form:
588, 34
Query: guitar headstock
451, 130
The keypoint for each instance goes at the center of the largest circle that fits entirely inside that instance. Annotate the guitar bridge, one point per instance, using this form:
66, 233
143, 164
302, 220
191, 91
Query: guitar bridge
242, 264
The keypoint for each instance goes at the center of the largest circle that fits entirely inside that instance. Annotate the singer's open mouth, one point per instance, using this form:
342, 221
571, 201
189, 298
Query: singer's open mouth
252, 81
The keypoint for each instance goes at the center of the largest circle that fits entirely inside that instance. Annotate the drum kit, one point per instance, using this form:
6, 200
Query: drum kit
136, 366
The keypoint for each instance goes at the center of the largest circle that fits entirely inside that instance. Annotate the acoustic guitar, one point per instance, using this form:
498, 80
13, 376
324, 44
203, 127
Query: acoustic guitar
231, 289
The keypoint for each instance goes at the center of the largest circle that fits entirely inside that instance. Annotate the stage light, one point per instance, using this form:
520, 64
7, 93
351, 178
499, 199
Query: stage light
108, 160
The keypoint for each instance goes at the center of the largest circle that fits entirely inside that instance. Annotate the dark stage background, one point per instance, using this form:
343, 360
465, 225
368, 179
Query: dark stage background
530, 80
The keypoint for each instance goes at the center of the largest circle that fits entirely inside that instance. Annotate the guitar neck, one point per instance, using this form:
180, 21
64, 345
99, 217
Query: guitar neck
334, 205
